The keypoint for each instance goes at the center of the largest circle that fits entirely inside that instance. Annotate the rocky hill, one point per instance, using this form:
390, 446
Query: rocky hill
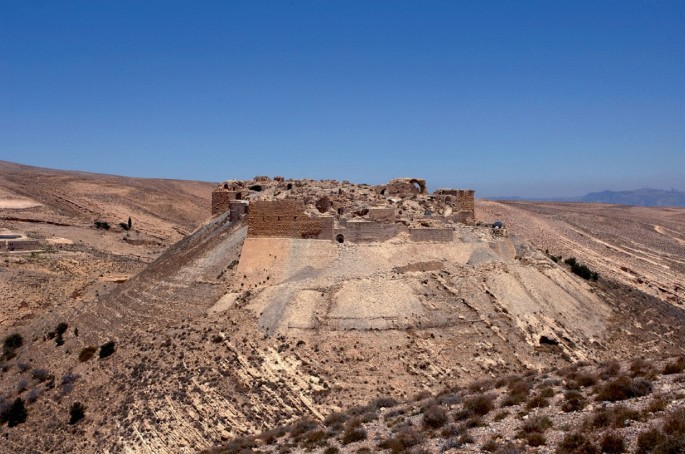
224, 335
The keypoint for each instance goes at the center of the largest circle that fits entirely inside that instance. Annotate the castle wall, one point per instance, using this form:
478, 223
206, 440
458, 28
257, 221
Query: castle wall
221, 200
439, 235
367, 231
286, 219
382, 214
462, 202
237, 208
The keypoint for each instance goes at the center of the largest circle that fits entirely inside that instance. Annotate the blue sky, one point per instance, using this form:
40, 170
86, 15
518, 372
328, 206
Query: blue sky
539, 98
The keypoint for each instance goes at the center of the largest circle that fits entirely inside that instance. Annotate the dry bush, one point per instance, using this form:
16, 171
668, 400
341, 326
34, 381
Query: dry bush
609, 369
546, 391
491, 445
479, 405
675, 367
481, 386
657, 404
573, 401
612, 443
86, 353
623, 387
500, 415
401, 441
612, 417
533, 430
537, 402
576, 443
335, 420
301, 427
352, 435
518, 392
434, 417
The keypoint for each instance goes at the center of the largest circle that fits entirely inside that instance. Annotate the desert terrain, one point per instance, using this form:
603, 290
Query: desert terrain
184, 332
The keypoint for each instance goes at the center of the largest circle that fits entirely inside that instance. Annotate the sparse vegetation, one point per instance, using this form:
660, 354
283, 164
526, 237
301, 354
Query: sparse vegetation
102, 225
14, 414
623, 387
77, 412
11, 344
581, 270
107, 349
87, 353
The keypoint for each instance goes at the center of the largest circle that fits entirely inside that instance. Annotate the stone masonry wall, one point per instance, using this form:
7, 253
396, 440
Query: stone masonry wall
382, 214
367, 231
286, 219
439, 235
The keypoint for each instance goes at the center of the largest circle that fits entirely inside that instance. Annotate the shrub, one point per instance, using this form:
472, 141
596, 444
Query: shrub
518, 392
675, 367
402, 441
500, 416
335, 420
14, 414
302, 426
533, 429
623, 387
61, 328
647, 440
11, 343
479, 405
610, 369
641, 367
570, 261
353, 434
573, 401
576, 443
612, 443
537, 402
615, 416
86, 353
102, 225
77, 412
657, 404
434, 417
331, 450
107, 349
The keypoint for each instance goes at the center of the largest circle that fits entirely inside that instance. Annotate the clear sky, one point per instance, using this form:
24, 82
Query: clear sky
530, 98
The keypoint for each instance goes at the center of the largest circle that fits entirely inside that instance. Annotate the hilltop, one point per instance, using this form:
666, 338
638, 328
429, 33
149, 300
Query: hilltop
236, 329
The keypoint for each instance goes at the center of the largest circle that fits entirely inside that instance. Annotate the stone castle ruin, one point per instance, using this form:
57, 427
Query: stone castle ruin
343, 211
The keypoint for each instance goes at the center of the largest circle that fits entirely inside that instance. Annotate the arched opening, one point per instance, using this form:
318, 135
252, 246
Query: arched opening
239, 195
383, 191
340, 238
418, 186
256, 188
225, 185
289, 186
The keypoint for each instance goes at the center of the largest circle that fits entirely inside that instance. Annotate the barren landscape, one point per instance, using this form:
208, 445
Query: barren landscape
189, 330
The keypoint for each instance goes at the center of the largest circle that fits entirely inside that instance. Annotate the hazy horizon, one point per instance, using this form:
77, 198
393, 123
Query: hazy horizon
527, 99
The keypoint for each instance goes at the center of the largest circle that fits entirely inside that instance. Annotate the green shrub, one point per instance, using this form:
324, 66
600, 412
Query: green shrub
77, 412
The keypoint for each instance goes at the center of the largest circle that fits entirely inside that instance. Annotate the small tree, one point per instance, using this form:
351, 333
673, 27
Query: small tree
77, 412
11, 343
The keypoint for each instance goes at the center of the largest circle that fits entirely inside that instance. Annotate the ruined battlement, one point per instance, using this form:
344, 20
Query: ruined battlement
343, 211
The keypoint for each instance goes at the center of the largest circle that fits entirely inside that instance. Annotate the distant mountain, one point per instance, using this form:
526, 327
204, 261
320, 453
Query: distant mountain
642, 197
646, 197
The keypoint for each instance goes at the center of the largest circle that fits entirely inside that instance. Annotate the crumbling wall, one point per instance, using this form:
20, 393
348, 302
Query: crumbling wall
19, 245
286, 219
382, 214
237, 208
462, 202
405, 186
221, 199
442, 235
